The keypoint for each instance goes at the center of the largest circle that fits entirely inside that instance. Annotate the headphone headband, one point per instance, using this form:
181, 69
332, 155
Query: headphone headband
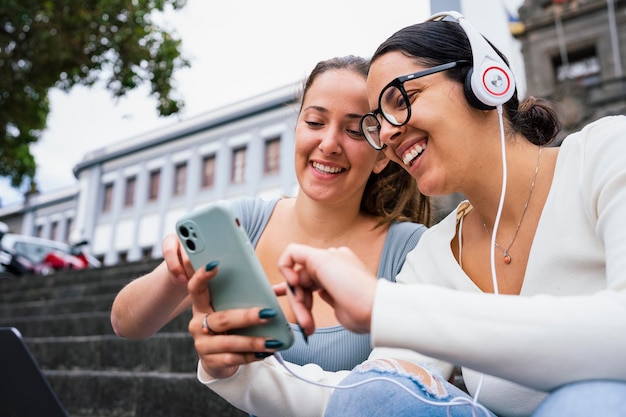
490, 82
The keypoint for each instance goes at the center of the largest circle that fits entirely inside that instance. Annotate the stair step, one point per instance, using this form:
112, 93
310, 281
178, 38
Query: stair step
134, 394
128, 271
164, 352
77, 324
61, 291
100, 302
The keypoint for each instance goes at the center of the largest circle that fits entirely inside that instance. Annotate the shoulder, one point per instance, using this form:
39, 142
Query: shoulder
440, 234
254, 213
606, 132
402, 238
249, 207
598, 148
405, 232
592, 160
608, 124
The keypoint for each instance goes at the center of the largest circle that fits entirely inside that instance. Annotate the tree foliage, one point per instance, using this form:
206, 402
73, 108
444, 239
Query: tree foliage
62, 43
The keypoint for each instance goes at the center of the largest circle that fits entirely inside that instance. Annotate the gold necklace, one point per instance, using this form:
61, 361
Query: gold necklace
506, 255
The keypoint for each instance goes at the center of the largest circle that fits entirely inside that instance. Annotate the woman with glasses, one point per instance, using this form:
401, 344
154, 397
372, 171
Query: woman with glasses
349, 195
523, 285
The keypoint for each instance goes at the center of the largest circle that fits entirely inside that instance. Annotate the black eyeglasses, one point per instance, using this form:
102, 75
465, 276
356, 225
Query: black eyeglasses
394, 104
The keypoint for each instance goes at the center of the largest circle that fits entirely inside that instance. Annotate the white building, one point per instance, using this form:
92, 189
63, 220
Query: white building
129, 195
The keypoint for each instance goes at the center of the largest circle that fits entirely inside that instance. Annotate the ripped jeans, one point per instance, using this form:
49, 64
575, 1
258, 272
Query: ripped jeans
391, 391
394, 392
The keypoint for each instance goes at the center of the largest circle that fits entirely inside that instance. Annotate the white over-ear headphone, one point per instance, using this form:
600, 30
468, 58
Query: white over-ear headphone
490, 82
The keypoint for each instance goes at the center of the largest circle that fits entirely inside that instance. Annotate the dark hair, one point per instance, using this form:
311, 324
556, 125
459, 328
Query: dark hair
391, 194
435, 42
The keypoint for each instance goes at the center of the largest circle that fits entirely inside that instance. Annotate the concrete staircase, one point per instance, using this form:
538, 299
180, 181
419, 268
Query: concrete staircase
64, 319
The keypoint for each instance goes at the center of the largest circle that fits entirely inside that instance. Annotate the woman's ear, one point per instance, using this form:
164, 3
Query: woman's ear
381, 163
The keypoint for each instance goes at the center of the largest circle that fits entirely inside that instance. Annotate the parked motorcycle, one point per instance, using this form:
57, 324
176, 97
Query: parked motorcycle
23, 255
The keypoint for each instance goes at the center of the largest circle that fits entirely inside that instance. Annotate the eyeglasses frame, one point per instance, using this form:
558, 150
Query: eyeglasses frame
398, 83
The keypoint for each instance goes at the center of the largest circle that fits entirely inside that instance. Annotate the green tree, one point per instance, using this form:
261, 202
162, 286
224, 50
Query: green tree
62, 43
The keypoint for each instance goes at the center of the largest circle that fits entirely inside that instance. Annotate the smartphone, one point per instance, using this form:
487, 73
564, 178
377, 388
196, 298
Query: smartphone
213, 233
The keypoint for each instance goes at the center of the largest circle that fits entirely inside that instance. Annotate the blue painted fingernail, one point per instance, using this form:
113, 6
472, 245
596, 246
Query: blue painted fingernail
211, 265
273, 344
304, 336
261, 355
267, 313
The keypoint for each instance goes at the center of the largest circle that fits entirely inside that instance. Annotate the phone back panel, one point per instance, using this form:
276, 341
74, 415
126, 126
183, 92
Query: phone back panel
213, 233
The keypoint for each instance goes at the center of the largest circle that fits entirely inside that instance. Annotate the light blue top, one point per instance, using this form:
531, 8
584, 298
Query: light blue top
333, 348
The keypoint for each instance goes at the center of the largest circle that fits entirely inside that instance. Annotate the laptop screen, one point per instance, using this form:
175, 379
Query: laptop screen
24, 389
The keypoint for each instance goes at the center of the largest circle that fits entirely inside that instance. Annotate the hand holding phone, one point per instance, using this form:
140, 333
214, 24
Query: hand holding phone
213, 233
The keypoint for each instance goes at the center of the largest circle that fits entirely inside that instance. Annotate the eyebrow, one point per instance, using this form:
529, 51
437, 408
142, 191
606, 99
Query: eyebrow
318, 108
325, 110
388, 94
354, 116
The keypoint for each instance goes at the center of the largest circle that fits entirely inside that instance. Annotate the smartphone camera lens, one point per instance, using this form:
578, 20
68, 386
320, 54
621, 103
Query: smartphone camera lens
184, 232
190, 244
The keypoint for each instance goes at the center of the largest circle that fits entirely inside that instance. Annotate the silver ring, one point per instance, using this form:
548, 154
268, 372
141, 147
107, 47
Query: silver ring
205, 326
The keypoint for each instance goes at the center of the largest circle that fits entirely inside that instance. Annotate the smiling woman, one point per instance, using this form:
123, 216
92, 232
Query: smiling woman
494, 287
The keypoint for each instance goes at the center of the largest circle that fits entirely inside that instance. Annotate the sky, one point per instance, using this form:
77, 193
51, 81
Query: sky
237, 49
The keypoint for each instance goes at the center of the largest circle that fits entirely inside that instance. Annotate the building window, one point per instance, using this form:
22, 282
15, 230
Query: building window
68, 230
54, 228
39, 231
129, 192
583, 66
180, 178
208, 171
146, 253
107, 203
239, 165
122, 257
271, 163
155, 180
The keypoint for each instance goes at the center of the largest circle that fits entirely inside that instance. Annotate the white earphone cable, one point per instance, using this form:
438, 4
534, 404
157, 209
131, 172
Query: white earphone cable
492, 255
494, 232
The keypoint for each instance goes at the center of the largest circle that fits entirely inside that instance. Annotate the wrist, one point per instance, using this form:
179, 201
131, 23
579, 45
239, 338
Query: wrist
206, 373
176, 281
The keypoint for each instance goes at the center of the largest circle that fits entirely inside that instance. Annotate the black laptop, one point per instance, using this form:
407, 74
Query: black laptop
24, 389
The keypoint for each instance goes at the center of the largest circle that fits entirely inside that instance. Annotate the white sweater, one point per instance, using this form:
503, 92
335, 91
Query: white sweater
568, 324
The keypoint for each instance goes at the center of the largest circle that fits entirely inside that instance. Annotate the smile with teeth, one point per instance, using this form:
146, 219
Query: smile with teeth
326, 169
411, 155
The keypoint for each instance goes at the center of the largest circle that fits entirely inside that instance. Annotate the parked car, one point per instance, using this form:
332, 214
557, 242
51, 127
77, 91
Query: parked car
23, 255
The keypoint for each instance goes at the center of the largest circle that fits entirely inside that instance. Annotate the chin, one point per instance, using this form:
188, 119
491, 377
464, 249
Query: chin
429, 189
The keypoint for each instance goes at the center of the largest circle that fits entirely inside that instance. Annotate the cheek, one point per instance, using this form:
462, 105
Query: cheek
389, 153
363, 155
304, 142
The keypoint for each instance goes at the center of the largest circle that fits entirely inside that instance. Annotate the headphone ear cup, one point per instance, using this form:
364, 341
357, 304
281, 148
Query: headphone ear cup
490, 82
469, 93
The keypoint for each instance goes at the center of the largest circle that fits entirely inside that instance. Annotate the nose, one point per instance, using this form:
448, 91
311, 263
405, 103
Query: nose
330, 142
389, 133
